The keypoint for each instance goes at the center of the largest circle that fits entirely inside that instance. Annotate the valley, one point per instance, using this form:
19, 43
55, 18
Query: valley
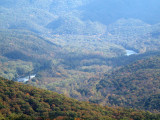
92, 51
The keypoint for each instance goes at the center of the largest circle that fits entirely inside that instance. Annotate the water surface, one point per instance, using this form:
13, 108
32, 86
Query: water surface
130, 52
25, 79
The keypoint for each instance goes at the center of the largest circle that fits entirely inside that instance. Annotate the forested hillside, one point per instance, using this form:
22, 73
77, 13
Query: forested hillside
23, 52
135, 85
78, 74
102, 51
23, 102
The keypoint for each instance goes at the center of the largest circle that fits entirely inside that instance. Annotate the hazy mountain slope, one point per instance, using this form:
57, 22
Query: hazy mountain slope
24, 17
26, 42
18, 101
73, 25
133, 34
65, 18
35, 15
22, 52
109, 11
94, 36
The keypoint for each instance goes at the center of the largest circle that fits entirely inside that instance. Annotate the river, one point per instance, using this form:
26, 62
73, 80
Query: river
25, 79
130, 52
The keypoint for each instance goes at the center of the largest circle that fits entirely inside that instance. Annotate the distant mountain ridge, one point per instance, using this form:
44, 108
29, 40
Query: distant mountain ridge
37, 14
109, 11
92, 20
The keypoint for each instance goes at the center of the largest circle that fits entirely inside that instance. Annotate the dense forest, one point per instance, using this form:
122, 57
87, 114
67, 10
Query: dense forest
97, 78
19, 101
105, 52
135, 85
23, 52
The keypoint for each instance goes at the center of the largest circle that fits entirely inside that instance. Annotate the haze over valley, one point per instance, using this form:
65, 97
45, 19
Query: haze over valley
105, 52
